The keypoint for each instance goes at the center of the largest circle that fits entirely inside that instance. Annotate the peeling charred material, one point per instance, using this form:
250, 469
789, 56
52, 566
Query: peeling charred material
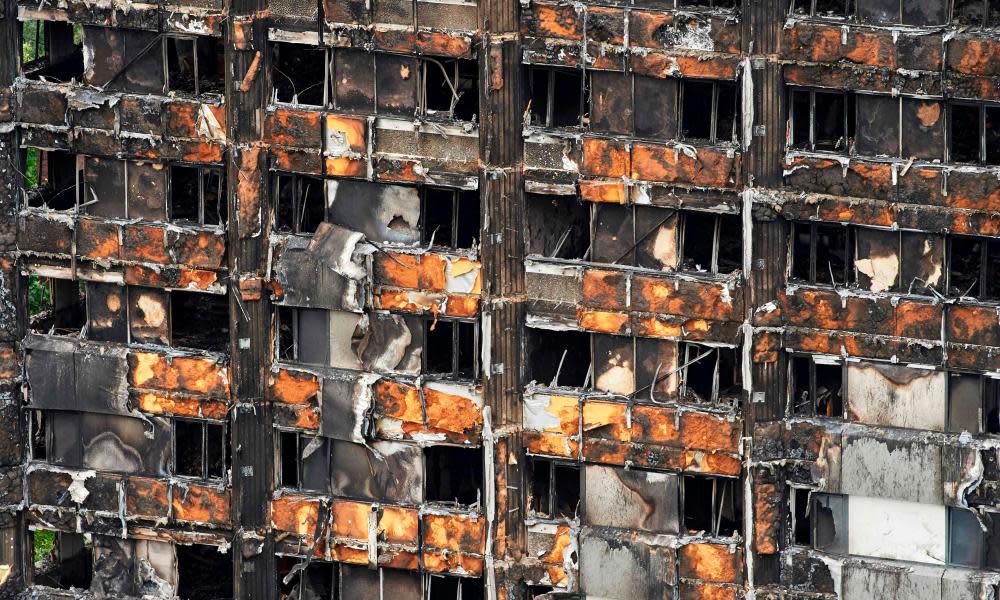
500, 300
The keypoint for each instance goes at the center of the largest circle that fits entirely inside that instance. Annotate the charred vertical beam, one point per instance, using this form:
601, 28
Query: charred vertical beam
246, 88
13, 296
761, 37
503, 302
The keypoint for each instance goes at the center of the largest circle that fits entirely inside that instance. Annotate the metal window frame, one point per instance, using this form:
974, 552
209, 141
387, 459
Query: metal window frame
454, 214
454, 373
300, 436
165, 48
713, 110
983, 263
814, 499
550, 464
443, 64
980, 126
810, 144
718, 498
202, 425
682, 235
550, 93
849, 251
688, 359
793, 389
203, 173
298, 197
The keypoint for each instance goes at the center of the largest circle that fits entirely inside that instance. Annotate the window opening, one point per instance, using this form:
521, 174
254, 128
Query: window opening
450, 88
816, 388
450, 218
711, 243
300, 74
707, 374
450, 348
194, 65
50, 178
62, 560
711, 504
197, 195
559, 358
708, 110
557, 97
453, 474
821, 121
555, 488
199, 320
199, 449
301, 203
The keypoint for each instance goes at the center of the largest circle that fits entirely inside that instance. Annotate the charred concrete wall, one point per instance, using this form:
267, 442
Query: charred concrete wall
449, 300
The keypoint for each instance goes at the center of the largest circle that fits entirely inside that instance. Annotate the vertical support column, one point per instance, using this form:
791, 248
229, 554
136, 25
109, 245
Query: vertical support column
251, 440
762, 25
13, 301
503, 299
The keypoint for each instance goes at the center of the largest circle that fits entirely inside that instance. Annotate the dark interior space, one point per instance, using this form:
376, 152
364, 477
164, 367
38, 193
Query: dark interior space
204, 573
51, 50
301, 203
556, 97
68, 562
450, 348
557, 226
197, 195
195, 64
59, 306
450, 218
557, 358
199, 321
453, 474
698, 241
298, 73
803, 530
964, 147
454, 588
555, 488
696, 110
712, 505
50, 178
451, 88
830, 126
965, 259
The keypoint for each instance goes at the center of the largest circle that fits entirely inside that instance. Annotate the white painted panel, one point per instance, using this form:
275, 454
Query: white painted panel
897, 530
897, 396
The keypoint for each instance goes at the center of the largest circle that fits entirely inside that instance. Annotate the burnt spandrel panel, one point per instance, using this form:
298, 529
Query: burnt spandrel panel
630, 499
878, 125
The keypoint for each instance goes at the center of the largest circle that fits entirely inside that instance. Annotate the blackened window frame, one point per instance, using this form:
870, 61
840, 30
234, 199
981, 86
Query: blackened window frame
713, 137
204, 424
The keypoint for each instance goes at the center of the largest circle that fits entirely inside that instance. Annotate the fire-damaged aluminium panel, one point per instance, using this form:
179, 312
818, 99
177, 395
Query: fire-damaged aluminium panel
500, 300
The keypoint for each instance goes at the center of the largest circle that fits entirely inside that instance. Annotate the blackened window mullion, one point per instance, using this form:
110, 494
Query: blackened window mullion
714, 117
983, 263
812, 387
812, 122
715, 244
204, 450
552, 489
550, 95
194, 52
982, 136
812, 252
454, 217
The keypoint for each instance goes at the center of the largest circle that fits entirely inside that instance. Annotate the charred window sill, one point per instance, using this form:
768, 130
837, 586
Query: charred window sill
853, 290
698, 276
726, 405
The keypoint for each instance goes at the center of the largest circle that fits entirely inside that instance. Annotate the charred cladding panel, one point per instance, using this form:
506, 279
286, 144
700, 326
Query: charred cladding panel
460, 300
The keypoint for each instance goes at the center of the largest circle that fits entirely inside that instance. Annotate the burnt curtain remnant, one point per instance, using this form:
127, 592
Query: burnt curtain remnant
500, 299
